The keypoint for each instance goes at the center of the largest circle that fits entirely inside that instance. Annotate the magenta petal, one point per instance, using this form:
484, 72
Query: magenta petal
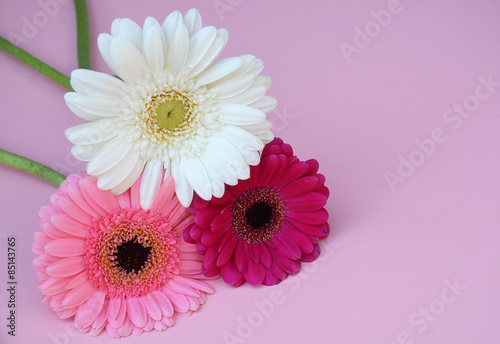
301, 239
227, 198
254, 252
299, 187
270, 279
312, 201
315, 231
265, 256
210, 238
231, 275
211, 256
241, 255
312, 256
294, 172
195, 232
277, 271
287, 244
227, 251
288, 265
222, 222
312, 218
206, 215
254, 273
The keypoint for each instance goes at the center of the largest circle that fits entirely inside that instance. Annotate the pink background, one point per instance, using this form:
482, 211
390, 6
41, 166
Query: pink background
392, 254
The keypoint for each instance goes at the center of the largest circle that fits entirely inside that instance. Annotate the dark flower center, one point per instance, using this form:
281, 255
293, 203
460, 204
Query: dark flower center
132, 256
259, 215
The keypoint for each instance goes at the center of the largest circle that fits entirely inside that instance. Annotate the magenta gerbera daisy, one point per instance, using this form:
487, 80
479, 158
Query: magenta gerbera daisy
264, 227
112, 265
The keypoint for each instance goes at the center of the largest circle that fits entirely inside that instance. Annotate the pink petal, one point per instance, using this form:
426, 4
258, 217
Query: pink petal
123, 200
76, 195
79, 279
179, 301
117, 311
182, 289
126, 329
112, 332
103, 198
150, 324
198, 285
69, 225
70, 208
102, 318
189, 267
65, 247
163, 301
136, 311
164, 196
66, 267
152, 307
78, 295
54, 285
89, 310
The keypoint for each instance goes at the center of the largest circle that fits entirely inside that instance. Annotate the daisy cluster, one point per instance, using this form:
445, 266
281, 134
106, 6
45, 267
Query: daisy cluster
185, 183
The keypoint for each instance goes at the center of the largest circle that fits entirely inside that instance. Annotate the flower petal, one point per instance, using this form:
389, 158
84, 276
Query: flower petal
178, 49
136, 311
150, 184
65, 247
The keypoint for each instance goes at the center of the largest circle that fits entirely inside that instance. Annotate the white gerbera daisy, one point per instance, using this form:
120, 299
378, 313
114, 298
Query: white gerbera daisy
174, 110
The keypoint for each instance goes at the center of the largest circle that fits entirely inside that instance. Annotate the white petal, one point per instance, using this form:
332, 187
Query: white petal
246, 97
258, 128
265, 104
212, 53
246, 69
240, 114
87, 152
108, 157
154, 45
117, 175
193, 21
199, 44
183, 189
217, 169
251, 157
170, 24
232, 87
68, 98
218, 70
227, 153
130, 179
104, 45
96, 83
196, 175
128, 29
91, 133
266, 136
178, 49
150, 184
216, 184
129, 63
97, 106
241, 138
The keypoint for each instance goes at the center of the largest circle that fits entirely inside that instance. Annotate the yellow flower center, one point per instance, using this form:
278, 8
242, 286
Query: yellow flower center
170, 114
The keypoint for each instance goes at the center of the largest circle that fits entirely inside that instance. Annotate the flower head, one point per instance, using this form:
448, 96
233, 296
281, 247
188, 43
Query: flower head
262, 228
174, 108
113, 265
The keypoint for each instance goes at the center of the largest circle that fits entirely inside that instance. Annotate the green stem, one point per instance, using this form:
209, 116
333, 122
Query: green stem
33, 167
83, 34
35, 63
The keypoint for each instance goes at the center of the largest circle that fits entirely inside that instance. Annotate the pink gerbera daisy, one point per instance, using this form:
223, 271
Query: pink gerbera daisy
113, 265
263, 227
